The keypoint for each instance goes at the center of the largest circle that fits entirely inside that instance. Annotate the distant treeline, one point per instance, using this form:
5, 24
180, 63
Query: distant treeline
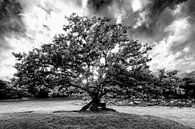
8, 91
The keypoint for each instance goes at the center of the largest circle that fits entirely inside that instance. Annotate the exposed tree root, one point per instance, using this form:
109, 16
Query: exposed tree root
95, 107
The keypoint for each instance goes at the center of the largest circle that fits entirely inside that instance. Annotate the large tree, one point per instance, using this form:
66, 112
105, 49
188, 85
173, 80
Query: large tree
93, 55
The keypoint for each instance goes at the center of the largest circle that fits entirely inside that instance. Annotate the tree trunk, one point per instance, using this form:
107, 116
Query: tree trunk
94, 105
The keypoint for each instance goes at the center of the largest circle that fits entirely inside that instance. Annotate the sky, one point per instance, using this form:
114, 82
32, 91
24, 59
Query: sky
166, 25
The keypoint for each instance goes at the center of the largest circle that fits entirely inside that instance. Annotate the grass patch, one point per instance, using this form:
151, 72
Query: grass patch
88, 120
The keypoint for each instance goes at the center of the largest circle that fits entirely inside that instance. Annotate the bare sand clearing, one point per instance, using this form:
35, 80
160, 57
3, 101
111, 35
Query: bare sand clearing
185, 116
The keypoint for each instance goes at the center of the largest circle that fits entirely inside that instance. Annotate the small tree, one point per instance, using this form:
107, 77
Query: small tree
93, 55
170, 84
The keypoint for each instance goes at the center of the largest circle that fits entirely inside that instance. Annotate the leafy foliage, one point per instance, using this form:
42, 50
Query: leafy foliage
93, 55
170, 84
7, 91
189, 86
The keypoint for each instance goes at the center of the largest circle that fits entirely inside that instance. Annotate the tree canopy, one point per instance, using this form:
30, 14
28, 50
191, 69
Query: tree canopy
93, 55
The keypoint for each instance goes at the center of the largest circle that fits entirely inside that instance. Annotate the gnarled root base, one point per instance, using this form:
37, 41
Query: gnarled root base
95, 107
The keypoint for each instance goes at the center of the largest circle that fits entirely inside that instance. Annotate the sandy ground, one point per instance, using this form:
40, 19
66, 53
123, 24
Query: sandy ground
184, 116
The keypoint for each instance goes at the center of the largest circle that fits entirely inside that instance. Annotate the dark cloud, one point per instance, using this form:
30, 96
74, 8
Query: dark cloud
190, 10
10, 17
158, 16
158, 6
10, 20
154, 8
98, 5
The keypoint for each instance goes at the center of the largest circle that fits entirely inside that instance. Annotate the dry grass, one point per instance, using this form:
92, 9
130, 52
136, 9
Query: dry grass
74, 120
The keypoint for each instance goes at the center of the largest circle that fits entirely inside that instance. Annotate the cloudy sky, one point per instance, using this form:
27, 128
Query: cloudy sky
167, 25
